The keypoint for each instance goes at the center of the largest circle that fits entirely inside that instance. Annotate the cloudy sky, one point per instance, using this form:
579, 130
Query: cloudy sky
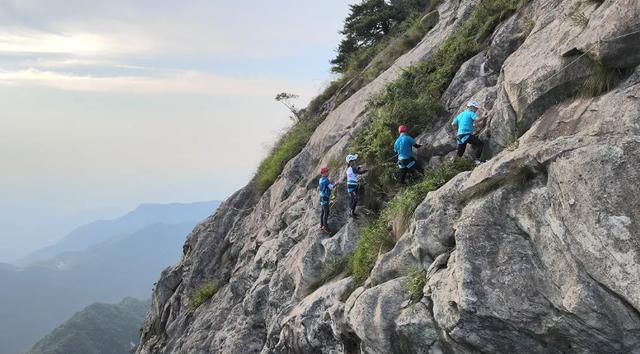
108, 104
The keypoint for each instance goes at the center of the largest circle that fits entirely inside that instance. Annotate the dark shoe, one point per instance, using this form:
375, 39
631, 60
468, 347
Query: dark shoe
326, 229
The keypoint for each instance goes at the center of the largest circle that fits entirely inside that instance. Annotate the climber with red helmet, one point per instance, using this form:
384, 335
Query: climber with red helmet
404, 149
325, 187
464, 124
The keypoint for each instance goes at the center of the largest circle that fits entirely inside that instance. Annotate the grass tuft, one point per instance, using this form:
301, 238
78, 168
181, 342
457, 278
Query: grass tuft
315, 107
600, 80
374, 239
528, 26
512, 144
580, 19
336, 164
417, 281
287, 147
203, 293
330, 268
378, 236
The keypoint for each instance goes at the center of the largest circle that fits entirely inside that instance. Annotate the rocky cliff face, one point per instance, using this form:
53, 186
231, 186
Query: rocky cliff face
535, 251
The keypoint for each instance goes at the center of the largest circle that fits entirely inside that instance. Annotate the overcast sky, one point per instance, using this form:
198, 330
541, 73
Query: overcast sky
108, 104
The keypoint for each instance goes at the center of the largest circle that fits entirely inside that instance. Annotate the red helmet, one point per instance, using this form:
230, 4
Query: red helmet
402, 129
324, 170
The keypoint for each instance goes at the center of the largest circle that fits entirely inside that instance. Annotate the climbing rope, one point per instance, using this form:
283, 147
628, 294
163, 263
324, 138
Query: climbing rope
581, 56
586, 52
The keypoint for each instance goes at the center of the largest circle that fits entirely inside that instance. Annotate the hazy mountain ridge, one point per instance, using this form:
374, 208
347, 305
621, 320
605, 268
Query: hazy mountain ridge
39, 297
102, 230
97, 329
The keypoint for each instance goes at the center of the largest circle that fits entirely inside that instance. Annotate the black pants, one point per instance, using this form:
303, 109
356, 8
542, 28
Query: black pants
324, 215
354, 199
473, 140
406, 166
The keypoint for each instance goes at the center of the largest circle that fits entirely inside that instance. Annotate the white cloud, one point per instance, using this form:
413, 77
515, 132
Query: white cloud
178, 82
173, 111
79, 44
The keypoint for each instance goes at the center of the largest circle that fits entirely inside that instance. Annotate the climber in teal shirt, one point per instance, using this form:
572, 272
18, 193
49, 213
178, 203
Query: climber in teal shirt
325, 187
404, 148
464, 123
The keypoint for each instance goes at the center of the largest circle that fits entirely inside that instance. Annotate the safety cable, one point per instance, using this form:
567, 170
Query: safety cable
580, 57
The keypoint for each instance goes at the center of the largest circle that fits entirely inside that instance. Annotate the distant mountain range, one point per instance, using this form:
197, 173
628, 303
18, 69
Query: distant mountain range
102, 230
104, 261
97, 329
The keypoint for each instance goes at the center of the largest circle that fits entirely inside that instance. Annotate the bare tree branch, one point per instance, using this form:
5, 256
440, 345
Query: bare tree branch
284, 98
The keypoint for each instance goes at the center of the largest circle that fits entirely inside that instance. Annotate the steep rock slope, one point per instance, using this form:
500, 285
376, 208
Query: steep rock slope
535, 251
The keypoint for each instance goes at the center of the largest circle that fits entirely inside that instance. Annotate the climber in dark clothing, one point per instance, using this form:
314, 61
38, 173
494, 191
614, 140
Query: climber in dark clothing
353, 173
325, 187
404, 149
464, 123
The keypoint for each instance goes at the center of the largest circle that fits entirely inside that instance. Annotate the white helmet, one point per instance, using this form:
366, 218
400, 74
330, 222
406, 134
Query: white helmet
473, 104
351, 157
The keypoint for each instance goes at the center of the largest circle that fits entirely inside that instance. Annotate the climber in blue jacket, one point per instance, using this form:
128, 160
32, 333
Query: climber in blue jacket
325, 187
464, 124
404, 149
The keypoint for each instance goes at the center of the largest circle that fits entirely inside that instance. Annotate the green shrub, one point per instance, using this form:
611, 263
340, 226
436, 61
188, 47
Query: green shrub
416, 282
409, 34
287, 147
402, 206
377, 236
316, 103
374, 238
203, 293
369, 23
361, 65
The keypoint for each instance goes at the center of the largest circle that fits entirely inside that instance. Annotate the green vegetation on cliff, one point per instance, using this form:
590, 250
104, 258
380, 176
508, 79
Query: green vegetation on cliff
98, 329
287, 147
376, 34
378, 236
203, 293
414, 99
368, 25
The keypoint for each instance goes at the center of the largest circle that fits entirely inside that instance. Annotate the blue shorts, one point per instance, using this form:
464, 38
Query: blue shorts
406, 163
